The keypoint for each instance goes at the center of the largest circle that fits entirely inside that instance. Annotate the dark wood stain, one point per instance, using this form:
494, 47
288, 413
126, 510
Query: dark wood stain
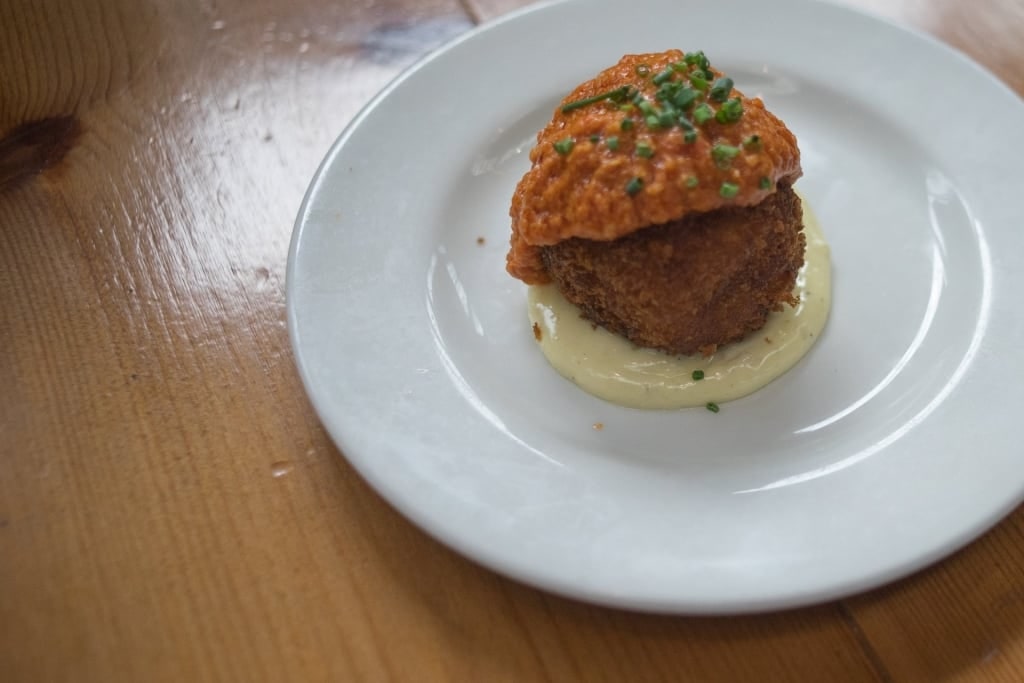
35, 146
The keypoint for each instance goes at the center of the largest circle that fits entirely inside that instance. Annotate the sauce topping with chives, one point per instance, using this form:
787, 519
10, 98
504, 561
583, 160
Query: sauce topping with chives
669, 134
681, 85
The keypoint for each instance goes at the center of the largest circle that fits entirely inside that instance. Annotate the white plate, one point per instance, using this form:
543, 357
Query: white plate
895, 442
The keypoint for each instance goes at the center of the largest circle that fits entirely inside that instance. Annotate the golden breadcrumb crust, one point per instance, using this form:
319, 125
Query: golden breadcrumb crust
690, 285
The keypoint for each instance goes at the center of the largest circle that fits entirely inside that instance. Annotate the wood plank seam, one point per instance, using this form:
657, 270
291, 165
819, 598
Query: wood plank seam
873, 657
470, 11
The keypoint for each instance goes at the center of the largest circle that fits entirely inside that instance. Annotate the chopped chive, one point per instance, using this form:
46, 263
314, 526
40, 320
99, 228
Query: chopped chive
765, 183
699, 82
595, 138
684, 98
678, 66
698, 59
652, 121
626, 124
644, 150
691, 136
692, 182
753, 143
721, 89
612, 142
665, 92
729, 190
730, 112
626, 107
662, 76
724, 154
647, 108
616, 95
564, 146
634, 185
667, 89
697, 375
703, 113
713, 407
643, 70
666, 118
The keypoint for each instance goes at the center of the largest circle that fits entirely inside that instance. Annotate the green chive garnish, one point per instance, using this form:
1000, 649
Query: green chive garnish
691, 136
634, 186
616, 95
595, 139
644, 150
667, 90
703, 114
684, 98
564, 146
612, 142
697, 59
692, 182
765, 183
713, 407
652, 121
626, 124
724, 154
721, 89
662, 76
699, 82
698, 375
729, 190
730, 112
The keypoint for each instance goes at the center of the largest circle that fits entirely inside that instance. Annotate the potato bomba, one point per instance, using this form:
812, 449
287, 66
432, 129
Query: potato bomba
660, 203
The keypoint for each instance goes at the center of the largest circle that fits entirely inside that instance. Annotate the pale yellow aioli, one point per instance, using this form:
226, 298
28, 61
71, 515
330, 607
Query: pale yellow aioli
610, 367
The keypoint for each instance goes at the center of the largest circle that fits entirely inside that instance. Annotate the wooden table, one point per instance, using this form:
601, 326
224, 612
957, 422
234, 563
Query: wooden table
170, 507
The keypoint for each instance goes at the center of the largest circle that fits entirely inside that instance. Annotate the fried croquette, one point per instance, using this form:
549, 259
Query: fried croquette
690, 285
660, 202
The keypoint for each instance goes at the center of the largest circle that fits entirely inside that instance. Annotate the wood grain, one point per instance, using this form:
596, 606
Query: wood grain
170, 508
